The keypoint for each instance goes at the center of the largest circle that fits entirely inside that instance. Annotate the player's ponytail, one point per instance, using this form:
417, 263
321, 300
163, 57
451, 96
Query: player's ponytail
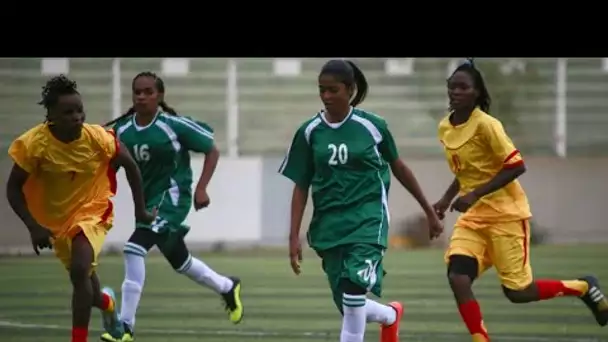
129, 112
348, 73
361, 84
167, 109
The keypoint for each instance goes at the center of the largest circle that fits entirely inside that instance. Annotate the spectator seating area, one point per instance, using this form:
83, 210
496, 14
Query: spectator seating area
275, 96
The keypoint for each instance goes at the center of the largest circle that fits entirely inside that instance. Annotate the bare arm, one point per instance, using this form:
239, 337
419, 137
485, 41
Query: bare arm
298, 204
502, 178
209, 165
451, 192
15, 196
406, 177
124, 159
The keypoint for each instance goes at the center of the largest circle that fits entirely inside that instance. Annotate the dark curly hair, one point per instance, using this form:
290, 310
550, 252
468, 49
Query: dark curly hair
55, 88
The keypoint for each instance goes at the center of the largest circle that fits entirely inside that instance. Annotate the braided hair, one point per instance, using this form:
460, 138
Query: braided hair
160, 87
483, 101
55, 88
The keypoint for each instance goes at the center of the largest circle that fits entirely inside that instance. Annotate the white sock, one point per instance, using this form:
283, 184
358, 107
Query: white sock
198, 271
379, 313
132, 286
353, 322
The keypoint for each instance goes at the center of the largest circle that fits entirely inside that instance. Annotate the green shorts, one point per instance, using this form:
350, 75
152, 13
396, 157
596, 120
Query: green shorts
169, 222
359, 263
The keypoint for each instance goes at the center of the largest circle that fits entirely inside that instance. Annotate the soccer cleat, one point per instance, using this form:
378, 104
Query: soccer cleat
128, 335
232, 301
390, 333
106, 337
111, 322
595, 300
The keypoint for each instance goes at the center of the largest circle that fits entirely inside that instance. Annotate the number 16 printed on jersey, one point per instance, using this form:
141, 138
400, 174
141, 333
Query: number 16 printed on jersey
141, 152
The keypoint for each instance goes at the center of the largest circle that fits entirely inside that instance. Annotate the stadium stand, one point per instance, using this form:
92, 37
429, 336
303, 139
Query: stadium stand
410, 94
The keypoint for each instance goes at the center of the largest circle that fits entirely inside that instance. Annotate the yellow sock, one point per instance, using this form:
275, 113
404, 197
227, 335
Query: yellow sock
576, 285
479, 338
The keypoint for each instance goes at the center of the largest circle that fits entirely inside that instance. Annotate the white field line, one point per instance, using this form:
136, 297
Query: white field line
312, 334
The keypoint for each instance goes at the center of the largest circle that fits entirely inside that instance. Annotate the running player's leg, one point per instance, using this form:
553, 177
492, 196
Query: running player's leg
467, 259
333, 261
511, 255
363, 272
177, 254
135, 251
80, 268
388, 316
103, 298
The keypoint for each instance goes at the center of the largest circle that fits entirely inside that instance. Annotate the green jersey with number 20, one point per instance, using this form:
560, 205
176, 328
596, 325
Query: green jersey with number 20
346, 165
161, 152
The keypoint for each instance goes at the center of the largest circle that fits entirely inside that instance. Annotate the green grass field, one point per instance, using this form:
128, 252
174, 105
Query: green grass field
280, 307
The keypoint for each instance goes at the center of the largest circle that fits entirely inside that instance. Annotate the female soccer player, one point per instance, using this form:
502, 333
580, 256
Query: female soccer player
494, 228
160, 142
60, 186
344, 154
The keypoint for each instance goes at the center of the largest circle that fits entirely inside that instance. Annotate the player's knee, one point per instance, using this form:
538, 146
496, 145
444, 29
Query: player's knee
180, 262
79, 272
179, 257
462, 271
349, 287
519, 295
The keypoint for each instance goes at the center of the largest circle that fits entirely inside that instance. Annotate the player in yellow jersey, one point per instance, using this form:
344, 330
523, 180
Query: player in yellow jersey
494, 228
60, 186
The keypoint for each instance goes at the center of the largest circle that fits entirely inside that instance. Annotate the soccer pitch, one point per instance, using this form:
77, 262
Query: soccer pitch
280, 307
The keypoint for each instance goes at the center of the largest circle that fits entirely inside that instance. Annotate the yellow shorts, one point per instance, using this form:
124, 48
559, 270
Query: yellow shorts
504, 245
95, 233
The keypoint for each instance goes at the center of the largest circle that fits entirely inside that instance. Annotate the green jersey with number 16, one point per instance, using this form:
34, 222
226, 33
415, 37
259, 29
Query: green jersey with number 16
346, 165
161, 152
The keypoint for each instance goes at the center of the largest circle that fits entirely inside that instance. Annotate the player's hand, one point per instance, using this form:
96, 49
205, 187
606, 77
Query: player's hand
463, 203
201, 199
441, 207
295, 254
435, 225
41, 237
146, 217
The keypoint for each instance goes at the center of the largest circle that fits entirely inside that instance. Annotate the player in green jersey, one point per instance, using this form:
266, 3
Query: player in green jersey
345, 155
160, 142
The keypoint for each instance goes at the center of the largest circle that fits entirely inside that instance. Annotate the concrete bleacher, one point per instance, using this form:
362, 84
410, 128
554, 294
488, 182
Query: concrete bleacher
271, 106
587, 106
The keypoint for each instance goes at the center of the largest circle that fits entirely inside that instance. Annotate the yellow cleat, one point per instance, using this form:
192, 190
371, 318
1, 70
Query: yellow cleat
106, 337
128, 336
232, 301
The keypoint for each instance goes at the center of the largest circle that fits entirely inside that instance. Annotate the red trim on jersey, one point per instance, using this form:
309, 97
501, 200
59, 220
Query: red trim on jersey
510, 156
111, 173
116, 142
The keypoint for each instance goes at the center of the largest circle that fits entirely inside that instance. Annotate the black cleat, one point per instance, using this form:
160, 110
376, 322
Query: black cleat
595, 300
233, 303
